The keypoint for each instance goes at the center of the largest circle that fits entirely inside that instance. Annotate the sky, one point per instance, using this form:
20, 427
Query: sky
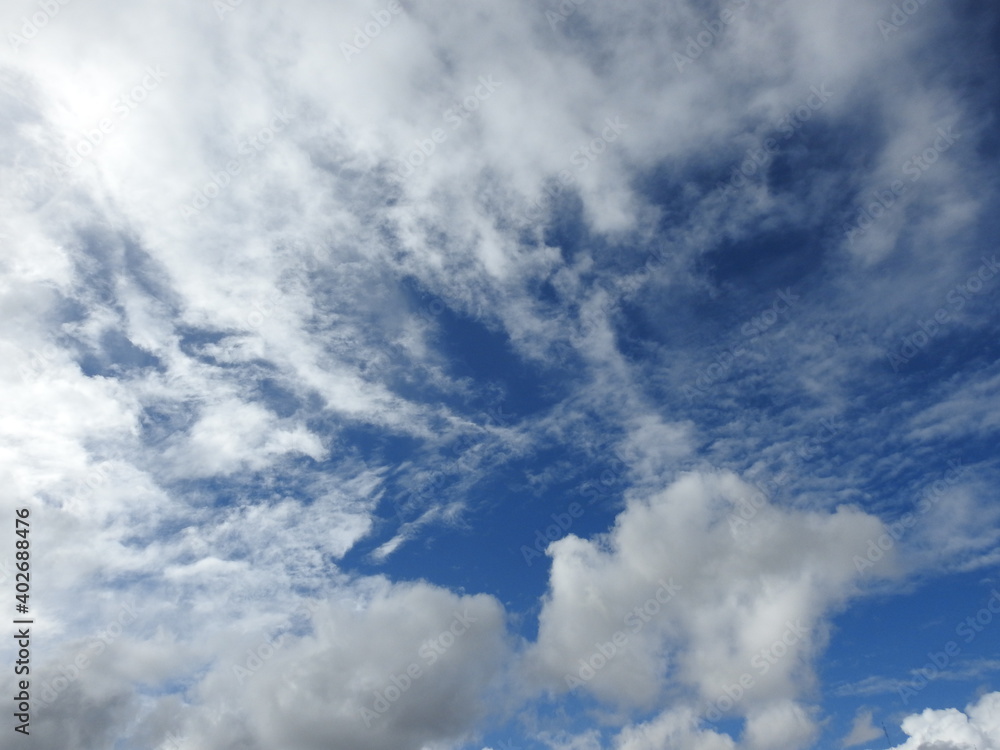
501, 375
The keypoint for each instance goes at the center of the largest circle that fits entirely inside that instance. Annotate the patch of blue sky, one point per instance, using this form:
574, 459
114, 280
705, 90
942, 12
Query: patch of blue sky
880, 648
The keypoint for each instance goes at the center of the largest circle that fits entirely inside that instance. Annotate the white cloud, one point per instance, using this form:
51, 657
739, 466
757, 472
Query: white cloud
211, 495
232, 435
951, 729
410, 665
751, 602
380, 665
673, 729
862, 730
781, 725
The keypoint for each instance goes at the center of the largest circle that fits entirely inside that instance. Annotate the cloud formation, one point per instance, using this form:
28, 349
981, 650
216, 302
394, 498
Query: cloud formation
316, 313
950, 729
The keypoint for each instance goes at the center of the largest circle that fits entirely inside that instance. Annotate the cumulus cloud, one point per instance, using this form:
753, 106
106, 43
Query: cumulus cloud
951, 729
397, 666
683, 592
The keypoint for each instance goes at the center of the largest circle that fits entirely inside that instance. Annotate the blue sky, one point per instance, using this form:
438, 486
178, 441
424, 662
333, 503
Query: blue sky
504, 375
